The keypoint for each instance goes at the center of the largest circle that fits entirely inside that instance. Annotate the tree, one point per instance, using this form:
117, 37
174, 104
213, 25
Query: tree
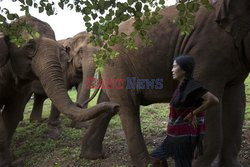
102, 18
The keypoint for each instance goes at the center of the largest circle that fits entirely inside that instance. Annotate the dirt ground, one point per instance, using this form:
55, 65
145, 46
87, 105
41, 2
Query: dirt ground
118, 154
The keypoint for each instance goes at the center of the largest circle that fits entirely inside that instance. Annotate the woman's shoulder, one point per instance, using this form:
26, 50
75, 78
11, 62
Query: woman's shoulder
197, 90
193, 85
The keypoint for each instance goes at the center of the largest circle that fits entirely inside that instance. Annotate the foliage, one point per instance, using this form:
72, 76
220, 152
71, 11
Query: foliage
187, 10
102, 19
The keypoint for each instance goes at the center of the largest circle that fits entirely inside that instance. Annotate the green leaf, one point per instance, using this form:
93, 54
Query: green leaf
101, 5
111, 25
102, 11
102, 20
190, 6
77, 8
61, 5
162, 2
125, 17
205, 2
11, 16
35, 5
138, 6
87, 3
22, 1
108, 17
111, 12
95, 27
87, 10
41, 9
130, 2
35, 34
94, 16
145, 8
105, 36
2, 18
180, 7
86, 18
29, 2
71, 6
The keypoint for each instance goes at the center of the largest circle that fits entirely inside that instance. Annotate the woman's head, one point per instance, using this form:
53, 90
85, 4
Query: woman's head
183, 67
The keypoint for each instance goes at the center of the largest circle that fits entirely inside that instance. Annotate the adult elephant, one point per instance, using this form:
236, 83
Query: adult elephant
220, 45
37, 59
72, 77
78, 60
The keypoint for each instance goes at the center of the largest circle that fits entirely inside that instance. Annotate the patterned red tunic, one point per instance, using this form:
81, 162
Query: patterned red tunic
177, 127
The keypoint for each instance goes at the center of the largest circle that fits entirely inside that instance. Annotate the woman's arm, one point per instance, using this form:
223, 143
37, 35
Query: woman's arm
209, 100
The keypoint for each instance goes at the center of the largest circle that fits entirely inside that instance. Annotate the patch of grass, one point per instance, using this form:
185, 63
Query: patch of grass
247, 90
154, 118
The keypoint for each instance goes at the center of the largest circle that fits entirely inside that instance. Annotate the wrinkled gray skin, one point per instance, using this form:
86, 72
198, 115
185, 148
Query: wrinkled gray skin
220, 45
72, 77
40, 60
80, 60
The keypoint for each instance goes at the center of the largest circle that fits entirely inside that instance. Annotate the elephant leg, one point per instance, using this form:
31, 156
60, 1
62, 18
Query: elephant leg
54, 131
234, 102
36, 113
130, 118
93, 138
54, 116
12, 114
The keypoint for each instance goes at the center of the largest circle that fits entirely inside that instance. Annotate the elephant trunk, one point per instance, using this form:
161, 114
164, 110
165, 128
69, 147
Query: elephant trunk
83, 91
48, 69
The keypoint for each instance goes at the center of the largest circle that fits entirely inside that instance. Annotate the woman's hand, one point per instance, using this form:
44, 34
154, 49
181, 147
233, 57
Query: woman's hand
192, 119
209, 100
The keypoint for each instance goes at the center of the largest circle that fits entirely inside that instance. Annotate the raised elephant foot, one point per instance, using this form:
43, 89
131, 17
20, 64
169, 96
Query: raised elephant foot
88, 153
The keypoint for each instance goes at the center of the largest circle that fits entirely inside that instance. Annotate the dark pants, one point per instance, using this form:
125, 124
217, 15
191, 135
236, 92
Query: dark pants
182, 153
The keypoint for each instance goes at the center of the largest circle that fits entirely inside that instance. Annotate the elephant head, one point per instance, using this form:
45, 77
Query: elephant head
40, 59
81, 53
234, 17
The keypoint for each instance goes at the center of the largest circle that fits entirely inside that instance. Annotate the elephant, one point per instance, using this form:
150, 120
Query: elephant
79, 61
220, 45
72, 77
39, 59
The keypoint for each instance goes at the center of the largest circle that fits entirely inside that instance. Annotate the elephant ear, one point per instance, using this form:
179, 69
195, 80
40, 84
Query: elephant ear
63, 57
4, 50
234, 17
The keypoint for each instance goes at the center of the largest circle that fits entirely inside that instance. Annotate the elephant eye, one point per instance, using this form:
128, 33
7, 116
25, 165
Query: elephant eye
29, 46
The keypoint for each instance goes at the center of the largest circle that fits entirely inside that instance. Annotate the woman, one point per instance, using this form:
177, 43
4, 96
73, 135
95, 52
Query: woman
186, 125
